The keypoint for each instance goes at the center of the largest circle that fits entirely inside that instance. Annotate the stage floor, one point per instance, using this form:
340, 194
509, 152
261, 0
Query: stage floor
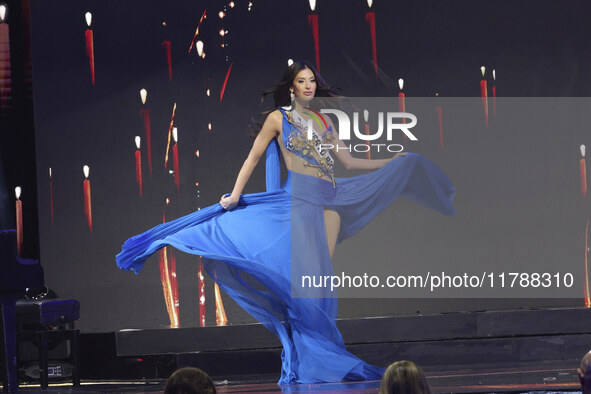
528, 378
468, 352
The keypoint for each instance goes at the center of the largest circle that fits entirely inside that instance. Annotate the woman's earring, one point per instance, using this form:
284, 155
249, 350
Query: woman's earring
292, 96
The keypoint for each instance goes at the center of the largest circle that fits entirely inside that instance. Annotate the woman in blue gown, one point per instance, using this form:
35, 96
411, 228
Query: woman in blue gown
255, 244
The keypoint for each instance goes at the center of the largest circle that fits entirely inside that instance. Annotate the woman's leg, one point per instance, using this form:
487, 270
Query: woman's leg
332, 222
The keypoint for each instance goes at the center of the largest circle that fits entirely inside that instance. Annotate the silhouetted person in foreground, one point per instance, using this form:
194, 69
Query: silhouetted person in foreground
584, 372
404, 377
189, 381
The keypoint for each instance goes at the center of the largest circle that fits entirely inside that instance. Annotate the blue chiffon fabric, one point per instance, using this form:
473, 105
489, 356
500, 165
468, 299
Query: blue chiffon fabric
254, 251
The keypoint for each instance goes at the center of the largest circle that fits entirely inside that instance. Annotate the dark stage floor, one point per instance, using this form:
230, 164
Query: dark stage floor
479, 352
534, 377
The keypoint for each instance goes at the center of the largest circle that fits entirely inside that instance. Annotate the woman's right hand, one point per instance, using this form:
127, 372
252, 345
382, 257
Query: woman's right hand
228, 202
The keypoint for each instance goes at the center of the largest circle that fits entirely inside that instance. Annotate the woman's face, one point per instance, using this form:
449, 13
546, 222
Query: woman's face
304, 85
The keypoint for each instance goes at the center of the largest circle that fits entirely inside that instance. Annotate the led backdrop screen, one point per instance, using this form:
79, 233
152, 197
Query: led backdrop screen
514, 159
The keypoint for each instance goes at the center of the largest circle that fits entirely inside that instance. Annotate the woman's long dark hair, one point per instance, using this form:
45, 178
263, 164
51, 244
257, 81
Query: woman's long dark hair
281, 92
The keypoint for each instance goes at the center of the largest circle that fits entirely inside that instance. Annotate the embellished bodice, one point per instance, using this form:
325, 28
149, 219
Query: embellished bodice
315, 148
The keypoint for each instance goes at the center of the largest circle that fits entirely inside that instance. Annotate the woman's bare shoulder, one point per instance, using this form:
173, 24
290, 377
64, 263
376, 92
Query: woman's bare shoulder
275, 118
273, 122
275, 115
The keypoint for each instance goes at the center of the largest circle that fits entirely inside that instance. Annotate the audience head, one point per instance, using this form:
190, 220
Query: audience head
584, 372
189, 381
404, 377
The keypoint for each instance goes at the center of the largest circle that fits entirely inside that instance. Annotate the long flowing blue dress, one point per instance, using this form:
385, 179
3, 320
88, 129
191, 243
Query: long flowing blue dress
254, 251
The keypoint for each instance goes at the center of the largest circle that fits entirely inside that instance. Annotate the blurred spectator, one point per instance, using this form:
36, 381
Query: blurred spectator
189, 381
404, 377
584, 372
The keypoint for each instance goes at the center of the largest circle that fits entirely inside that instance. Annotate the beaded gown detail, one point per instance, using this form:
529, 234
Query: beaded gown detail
286, 238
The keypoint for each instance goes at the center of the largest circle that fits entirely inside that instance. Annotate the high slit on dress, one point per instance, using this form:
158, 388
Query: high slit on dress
255, 250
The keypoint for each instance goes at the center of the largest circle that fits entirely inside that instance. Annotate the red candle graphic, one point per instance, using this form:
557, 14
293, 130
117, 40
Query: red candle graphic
220, 312
19, 221
168, 53
203, 16
138, 163
87, 194
175, 287
439, 112
586, 293
51, 193
583, 170
168, 280
370, 18
175, 158
163, 263
145, 114
201, 280
170, 126
313, 21
365, 118
225, 82
484, 95
90, 45
167, 286
494, 92
4, 57
402, 101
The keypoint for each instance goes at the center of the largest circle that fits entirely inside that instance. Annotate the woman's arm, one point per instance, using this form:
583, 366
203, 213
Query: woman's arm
353, 163
269, 131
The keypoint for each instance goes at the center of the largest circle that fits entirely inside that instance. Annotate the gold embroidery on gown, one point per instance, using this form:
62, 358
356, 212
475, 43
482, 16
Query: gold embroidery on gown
312, 150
